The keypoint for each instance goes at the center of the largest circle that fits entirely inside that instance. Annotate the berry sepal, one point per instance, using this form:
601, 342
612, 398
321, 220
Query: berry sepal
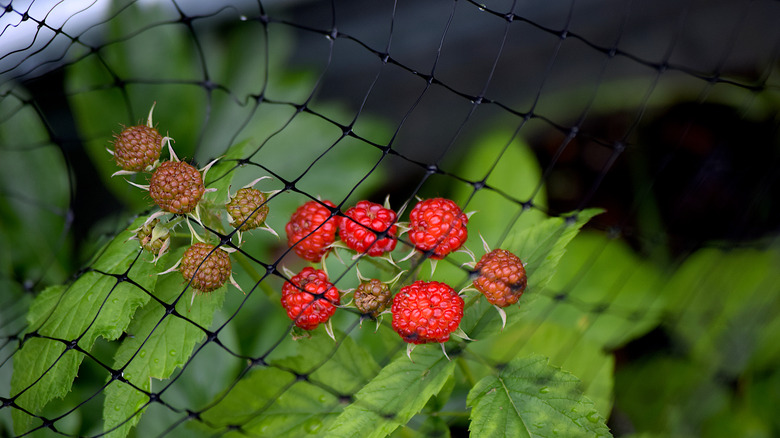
329, 329
154, 237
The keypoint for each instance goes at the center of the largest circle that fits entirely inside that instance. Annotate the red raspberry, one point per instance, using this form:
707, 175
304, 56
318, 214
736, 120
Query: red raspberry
502, 277
244, 204
438, 224
137, 147
311, 230
355, 229
372, 297
309, 298
209, 275
426, 312
176, 187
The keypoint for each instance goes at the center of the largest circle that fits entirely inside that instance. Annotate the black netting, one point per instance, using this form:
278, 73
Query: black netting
650, 128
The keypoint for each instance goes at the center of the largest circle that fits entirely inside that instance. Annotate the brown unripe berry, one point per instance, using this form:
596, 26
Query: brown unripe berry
207, 270
176, 187
137, 147
372, 297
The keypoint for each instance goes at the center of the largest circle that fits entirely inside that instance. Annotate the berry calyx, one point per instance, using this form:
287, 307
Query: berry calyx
359, 228
309, 298
502, 277
426, 312
176, 187
137, 148
152, 238
205, 270
438, 225
372, 297
311, 230
247, 209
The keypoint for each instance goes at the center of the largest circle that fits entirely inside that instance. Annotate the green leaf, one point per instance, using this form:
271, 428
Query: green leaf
723, 302
395, 395
270, 402
513, 174
530, 398
612, 294
541, 248
94, 305
761, 397
677, 396
344, 371
159, 344
33, 202
222, 173
564, 346
511, 169
251, 398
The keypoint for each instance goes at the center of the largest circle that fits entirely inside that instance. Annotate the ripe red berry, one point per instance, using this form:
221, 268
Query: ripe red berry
355, 228
242, 209
206, 275
137, 147
311, 230
372, 297
176, 187
309, 298
438, 224
502, 278
426, 312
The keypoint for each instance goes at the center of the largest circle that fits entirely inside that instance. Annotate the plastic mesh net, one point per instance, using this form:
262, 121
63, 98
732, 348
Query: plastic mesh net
627, 152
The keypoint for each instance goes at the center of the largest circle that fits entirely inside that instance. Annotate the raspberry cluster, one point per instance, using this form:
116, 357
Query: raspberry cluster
422, 312
176, 187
